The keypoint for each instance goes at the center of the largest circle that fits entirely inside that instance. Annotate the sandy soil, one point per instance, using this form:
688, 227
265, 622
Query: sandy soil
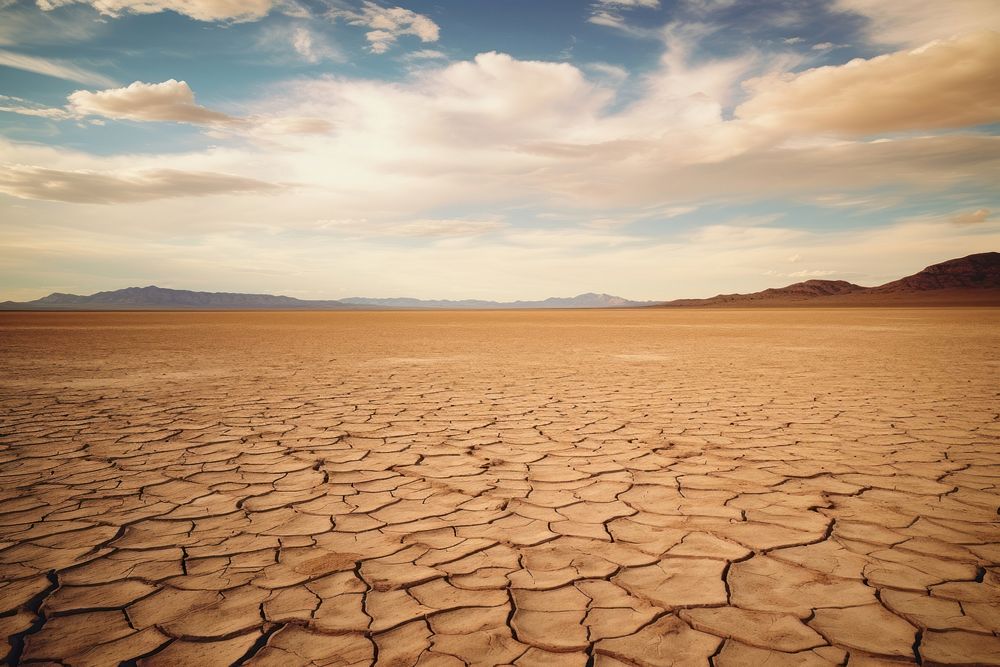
534, 488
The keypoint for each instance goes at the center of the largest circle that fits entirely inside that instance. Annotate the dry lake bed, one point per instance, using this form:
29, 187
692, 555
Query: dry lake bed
656, 487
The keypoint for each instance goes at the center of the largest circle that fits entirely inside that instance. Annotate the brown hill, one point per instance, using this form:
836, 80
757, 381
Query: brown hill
810, 289
980, 271
967, 281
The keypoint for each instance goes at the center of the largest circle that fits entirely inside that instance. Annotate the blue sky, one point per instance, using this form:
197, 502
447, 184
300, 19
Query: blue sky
492, 148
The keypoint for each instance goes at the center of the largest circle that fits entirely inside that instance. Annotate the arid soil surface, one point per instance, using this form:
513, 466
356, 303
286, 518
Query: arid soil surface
657, 487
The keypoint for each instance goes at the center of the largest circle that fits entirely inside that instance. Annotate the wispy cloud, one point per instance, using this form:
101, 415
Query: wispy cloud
610, 13
18, 105
89, 187
425, 54
425, 228
387, 24
54, 68
201, 10
979, 216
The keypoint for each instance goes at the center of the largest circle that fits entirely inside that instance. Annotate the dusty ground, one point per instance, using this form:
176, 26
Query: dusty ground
544, 488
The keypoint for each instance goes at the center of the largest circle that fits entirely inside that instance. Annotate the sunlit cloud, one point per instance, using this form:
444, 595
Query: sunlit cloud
387, 24
167, 101
54, 68
201, 10
88, 187
898, 22
944, 84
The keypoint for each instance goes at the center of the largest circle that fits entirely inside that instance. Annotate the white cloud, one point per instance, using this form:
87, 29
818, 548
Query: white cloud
628, 4
608, 19
300, 41
89, 187
387, 24
53, 68
23, 24
497, 131
425, 54
941, 85
201, 10
311, 47
916, 23
425, 228
609, 13
708, 6
976, 217
18, 105
274, 127
170, 100
614, 73
814, 273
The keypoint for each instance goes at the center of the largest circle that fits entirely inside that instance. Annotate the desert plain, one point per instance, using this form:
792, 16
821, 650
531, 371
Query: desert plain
607, 487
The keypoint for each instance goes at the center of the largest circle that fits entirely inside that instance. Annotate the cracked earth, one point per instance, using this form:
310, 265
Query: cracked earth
797, 487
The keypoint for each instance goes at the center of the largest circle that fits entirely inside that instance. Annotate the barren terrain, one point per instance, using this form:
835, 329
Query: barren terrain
655, 487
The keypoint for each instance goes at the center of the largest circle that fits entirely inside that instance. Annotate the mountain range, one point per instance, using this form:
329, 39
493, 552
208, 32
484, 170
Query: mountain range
161, 298
972, 280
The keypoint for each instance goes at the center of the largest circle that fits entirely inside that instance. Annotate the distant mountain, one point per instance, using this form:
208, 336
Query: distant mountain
972, 280
159, 298
588, 300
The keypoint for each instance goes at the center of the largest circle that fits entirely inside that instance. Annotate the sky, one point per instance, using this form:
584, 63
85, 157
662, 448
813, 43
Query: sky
494, 149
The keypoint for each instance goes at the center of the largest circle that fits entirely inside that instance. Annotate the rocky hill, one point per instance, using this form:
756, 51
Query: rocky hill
980, 271
971, 280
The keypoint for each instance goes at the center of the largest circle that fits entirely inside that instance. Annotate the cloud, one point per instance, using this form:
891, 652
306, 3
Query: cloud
609, 13
628, 4
89, 187
815, 273
703, 7
23, 24
387, 24
53, 68
312, 48
976, 217
427, 228
945, 84
276, 126
915, 23
171, 101
200, 10
18, 105
425, 54
501, 134
295, 42
608, 71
